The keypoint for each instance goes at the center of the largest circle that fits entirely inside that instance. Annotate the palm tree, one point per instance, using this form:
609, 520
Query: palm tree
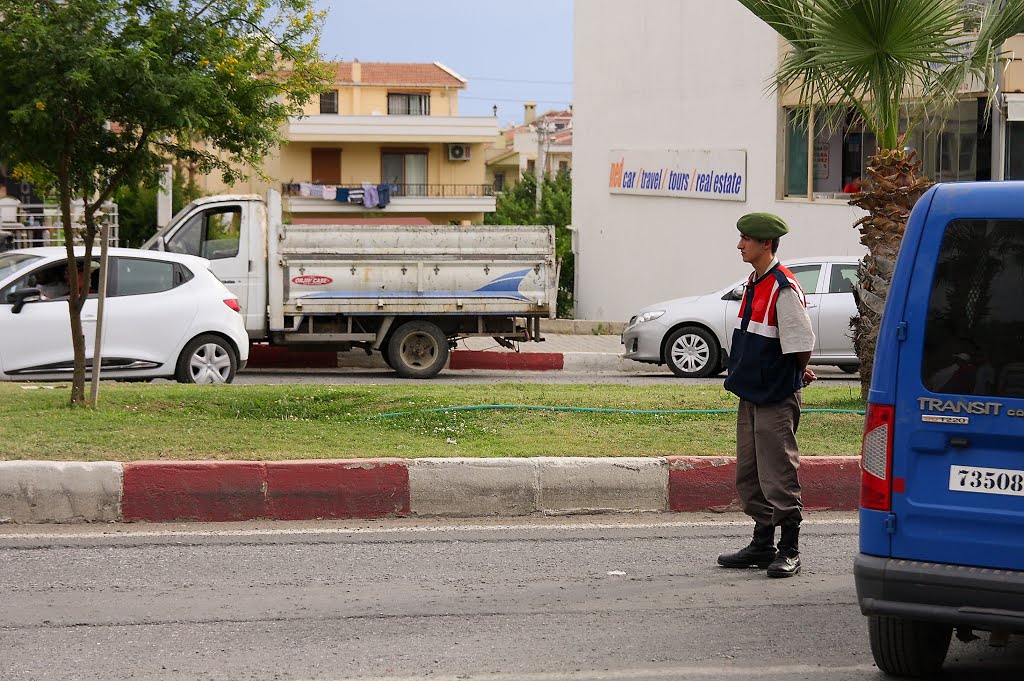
892, 63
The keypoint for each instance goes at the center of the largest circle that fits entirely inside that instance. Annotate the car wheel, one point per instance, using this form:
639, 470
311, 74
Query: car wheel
692, 352
418, 350
905, 647
849, 368
207, 359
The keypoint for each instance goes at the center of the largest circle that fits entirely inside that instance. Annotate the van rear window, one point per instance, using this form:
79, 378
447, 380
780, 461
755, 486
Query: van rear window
974, 338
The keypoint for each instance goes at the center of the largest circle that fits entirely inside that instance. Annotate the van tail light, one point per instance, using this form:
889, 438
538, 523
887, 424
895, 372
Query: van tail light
876, 458
233, 304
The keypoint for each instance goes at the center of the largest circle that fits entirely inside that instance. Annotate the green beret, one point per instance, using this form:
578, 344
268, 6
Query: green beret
763, 226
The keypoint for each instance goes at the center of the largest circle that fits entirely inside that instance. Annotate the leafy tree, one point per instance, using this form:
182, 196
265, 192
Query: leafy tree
893, 63
98, 94
517, 206
136, 207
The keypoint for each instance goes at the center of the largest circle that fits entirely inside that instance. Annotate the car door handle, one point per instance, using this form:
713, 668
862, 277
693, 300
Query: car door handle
90, 318
811, 306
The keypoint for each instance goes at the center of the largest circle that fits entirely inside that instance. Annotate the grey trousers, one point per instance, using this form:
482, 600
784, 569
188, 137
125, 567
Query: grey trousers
767, 460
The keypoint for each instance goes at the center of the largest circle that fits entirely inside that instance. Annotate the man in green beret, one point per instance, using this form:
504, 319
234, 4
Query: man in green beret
767, 369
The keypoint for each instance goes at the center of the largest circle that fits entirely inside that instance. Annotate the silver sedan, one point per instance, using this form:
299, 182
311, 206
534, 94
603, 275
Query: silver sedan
693, 335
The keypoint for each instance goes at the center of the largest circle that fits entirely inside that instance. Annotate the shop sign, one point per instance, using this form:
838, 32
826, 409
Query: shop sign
691, 174
821, 150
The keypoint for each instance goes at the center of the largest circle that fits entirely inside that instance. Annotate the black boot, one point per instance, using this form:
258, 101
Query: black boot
788, 562
759, 553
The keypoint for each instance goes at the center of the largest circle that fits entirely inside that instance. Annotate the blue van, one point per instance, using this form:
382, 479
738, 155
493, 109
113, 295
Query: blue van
942, 482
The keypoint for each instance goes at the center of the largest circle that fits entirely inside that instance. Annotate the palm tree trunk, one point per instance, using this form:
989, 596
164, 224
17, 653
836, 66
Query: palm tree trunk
892, 188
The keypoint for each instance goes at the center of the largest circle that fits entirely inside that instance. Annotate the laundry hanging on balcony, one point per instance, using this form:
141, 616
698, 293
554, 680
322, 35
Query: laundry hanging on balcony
370, 195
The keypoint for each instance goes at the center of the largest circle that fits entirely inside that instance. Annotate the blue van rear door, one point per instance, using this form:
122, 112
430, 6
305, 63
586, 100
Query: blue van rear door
958, 450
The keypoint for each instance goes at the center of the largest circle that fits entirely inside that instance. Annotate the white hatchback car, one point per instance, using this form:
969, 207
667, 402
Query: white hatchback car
165, 316
693, 335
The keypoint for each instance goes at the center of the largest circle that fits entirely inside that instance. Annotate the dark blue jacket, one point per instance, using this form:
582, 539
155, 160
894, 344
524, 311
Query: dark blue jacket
758, 371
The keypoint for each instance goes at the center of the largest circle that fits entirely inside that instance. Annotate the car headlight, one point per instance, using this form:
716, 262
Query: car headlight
648, 316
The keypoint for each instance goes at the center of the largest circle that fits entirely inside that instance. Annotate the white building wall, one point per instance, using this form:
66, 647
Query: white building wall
677, 74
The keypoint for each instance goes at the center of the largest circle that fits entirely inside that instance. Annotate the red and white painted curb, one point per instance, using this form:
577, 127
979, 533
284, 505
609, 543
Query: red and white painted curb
157, 491
274, 357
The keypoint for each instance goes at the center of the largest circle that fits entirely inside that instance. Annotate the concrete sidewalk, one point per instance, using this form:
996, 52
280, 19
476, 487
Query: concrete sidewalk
216, 491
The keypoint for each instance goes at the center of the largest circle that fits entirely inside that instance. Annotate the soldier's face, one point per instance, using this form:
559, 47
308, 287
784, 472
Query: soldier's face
751, 249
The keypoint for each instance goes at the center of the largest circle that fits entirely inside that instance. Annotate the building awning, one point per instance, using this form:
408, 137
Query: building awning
1014, 106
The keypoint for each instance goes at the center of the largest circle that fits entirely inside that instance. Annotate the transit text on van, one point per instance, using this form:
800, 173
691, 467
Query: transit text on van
960, 406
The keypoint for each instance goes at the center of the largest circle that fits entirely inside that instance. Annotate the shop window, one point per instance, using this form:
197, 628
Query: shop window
796, 155
1015, 150
404, 104
329, 102
952, 149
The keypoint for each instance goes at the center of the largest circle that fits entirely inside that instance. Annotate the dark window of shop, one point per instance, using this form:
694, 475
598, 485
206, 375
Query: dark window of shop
954, 148
329, 102
408, 104
974, 337
1015, 150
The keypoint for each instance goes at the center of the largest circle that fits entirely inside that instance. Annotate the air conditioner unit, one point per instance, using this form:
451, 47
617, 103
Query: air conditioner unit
458, 152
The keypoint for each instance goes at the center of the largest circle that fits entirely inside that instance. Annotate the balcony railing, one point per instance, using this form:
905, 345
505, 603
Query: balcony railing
25, 225
429, 191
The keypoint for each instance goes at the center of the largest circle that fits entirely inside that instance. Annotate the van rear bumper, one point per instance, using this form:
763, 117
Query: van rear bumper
953, 594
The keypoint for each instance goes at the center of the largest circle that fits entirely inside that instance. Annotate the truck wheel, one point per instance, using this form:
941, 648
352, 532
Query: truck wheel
905, 647
692, 352
418, 350
206, 359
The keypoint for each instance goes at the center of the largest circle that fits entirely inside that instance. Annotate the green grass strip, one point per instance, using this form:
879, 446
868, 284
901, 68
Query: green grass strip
599, 410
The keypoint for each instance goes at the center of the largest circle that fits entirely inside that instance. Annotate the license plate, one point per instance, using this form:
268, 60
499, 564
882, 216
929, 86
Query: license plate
986, 480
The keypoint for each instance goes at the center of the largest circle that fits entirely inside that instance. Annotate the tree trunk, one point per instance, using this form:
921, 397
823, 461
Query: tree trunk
890, 192
75, 296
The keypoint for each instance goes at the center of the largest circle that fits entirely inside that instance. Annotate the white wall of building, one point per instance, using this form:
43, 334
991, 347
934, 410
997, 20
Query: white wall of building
677, 74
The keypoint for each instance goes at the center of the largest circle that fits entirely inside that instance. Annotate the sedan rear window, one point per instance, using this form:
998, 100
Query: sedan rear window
136, 276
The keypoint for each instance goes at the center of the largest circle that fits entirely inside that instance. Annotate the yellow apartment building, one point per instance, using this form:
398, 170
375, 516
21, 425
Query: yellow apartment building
384, 143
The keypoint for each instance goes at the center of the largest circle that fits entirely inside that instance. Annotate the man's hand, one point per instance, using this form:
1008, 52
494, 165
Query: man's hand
809, 377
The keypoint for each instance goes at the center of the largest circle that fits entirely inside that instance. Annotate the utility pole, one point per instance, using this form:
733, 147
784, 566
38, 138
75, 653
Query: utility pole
163, 196
542, 144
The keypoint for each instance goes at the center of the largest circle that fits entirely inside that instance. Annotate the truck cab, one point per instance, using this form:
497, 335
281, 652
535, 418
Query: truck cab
229, 231
942, 498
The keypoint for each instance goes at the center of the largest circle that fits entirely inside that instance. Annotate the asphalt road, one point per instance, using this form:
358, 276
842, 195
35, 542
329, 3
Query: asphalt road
544, 599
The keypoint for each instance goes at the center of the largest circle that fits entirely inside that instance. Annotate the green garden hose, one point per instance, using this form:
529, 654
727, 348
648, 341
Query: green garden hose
527, 407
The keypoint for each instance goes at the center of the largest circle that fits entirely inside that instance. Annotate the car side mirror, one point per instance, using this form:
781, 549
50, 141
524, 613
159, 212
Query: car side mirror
22, 296
735, 294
